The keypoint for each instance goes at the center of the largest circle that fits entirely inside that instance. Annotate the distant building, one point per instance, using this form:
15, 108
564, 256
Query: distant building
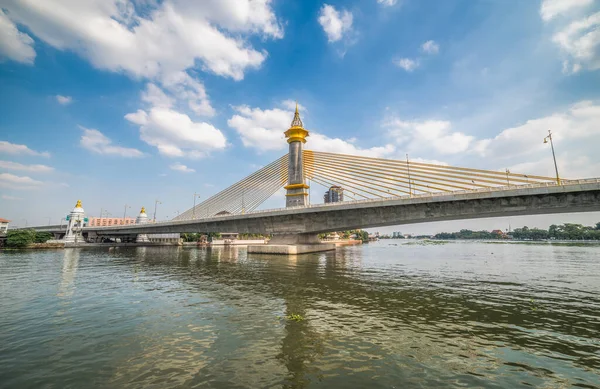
110, 221
335, 194
397, 235
3, 225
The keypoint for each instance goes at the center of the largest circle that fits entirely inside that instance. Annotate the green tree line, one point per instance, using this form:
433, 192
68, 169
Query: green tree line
567, 231
23, 238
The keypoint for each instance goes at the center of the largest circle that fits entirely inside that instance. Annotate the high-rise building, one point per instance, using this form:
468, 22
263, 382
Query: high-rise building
334, 194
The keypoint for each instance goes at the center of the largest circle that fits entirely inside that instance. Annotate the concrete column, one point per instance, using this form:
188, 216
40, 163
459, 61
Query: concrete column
297, 194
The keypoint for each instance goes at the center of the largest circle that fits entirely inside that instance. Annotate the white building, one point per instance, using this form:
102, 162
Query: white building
3, 225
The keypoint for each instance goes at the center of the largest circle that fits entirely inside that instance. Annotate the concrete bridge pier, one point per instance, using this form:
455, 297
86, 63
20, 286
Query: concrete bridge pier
290, 244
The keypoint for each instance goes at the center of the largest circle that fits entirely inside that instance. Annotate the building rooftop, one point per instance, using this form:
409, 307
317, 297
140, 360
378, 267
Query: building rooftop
4, 220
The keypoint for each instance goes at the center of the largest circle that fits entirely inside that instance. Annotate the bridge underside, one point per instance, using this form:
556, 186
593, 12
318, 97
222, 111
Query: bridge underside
386, 212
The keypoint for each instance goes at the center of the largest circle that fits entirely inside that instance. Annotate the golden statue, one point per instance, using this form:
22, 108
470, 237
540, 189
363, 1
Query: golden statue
143, 210
78, 205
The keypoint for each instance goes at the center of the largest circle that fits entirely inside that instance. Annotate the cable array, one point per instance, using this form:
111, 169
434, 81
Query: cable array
245, 195
365, 177
361, 178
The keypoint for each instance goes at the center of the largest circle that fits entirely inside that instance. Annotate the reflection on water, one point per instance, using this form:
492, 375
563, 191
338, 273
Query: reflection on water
382, 315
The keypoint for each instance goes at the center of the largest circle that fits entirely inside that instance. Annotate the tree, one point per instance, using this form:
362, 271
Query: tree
598, 226
42, 237
553, 231
19, 238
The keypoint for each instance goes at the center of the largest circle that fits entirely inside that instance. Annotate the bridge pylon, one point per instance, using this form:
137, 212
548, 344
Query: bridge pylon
296, 187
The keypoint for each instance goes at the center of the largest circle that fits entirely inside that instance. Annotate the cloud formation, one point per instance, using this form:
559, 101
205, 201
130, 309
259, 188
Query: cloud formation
406, 63
98, 143
15, 149
181, 168
12, 181
163, 39
9, 165
14, 45
64, 100
335, 23
175, 134
387, 3
577, 33
430, 47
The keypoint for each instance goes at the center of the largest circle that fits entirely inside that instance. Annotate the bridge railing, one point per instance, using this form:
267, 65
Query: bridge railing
406, 198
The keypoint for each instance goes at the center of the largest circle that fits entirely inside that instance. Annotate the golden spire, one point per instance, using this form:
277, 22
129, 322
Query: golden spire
297, 122
78, 205
296, 133
143, 210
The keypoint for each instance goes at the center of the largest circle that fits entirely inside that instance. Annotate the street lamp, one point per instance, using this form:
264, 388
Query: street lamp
125, 212
155, 204
549, 137
49, 218
408, 170
194, 209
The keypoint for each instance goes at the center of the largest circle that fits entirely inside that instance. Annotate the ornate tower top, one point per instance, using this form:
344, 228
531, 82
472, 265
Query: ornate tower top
143, 210
78, 205
296, 133
297, 122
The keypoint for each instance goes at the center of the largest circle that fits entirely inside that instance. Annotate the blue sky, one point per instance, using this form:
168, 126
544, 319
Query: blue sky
120, 102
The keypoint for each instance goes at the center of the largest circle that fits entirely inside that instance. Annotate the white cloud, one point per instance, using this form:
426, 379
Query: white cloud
9, 165
263, 130
168, 37
578, 122
15, 149
64, 100
8, 180
7, 197
98, 143
387, 3
14, 44
549, 9
406, 63
428, 135
580, 41
175, 135
430, 47
335, 23
181, 168
156, 97
577, 34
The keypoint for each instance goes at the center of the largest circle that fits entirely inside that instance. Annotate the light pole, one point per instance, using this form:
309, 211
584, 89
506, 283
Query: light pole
549, 137
408, 169
507, 179
155, 204
194, 209
125, 212
49, 218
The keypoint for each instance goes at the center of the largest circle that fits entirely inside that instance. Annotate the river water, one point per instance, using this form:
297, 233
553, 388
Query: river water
391, 314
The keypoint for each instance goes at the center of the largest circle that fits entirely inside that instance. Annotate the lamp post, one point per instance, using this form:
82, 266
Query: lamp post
155, 204
507, 179
194, 209
549, 137
49, 218
408, 170
125, 212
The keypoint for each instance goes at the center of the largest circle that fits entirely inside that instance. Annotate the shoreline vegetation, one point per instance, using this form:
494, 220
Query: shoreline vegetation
562, 232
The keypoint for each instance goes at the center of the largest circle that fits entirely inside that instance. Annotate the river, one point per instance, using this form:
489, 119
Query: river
390, 314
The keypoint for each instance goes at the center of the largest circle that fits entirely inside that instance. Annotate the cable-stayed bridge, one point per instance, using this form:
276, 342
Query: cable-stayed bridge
379, 192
